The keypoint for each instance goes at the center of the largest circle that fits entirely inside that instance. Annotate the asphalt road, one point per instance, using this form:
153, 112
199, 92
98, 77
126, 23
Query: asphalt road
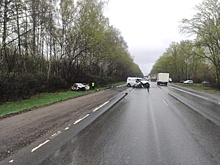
163, 127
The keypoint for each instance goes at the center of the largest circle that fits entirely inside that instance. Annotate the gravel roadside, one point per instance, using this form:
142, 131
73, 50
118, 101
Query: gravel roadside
21, 130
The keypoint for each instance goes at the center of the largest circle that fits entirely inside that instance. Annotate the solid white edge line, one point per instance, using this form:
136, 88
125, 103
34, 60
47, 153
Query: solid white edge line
206, 98
100, 106
77, 121
190, 93
34, 149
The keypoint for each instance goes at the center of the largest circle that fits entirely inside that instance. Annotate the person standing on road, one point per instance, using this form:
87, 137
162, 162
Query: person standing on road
147, 85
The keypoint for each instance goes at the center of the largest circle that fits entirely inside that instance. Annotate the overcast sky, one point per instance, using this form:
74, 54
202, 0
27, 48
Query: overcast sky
149, 26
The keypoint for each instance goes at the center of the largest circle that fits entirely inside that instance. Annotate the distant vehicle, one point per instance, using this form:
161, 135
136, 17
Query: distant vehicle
162, 78
170, 80
131, 81
181, 81
188, 82
205, 82
80, 87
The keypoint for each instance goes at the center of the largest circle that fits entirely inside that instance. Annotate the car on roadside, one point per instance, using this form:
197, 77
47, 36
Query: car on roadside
205, 82
80, 87
188, 82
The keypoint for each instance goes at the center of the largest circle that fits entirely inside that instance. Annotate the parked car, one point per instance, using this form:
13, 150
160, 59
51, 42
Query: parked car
188, 82
79, 87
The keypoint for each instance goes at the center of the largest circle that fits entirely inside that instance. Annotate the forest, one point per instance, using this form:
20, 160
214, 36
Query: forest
197, 59
47, 45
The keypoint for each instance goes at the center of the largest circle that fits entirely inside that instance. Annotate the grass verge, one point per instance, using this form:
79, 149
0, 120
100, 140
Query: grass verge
42, 100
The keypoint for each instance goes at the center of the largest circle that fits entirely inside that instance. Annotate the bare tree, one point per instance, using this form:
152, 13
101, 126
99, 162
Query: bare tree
205, 24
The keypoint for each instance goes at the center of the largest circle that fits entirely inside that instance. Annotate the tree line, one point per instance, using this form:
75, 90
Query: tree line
197, 59
46, 45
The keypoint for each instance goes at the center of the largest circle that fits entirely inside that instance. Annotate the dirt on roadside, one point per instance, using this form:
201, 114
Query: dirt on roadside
23, 129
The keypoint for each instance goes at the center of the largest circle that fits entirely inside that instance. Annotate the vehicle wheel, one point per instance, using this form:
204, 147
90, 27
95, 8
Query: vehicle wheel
128, 85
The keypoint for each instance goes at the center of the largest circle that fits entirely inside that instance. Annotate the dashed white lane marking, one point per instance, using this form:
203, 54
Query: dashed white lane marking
34, 149
77, 121
55, 134
11, 161
100, 106
59, 132
165, 102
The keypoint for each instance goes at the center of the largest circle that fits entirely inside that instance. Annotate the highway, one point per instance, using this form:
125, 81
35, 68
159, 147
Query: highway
167, 126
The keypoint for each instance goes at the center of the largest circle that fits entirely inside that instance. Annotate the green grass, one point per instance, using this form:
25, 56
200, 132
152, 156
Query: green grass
42, 99
37, 101
201, 87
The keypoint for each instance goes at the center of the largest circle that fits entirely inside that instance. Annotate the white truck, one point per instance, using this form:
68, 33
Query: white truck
162, 78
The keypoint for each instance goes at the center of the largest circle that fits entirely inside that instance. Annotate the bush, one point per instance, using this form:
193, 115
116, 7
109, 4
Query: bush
56, 83
22, 86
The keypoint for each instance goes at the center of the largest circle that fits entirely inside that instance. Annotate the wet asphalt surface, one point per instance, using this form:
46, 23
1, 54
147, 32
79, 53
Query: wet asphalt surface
163, 127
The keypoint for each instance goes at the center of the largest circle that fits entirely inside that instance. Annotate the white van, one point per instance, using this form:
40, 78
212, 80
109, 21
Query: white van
131, 81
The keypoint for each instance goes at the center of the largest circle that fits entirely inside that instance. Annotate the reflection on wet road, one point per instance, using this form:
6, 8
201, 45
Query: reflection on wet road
163, 127
145, 128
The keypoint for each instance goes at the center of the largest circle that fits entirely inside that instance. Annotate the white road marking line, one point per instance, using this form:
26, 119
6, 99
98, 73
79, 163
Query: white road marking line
190, 93
67, 128
55, 134
77, 121
206, 98
165, 102
11, 161
100, 106
34, 149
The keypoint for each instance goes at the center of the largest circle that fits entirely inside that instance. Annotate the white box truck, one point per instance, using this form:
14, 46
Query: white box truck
162, 78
